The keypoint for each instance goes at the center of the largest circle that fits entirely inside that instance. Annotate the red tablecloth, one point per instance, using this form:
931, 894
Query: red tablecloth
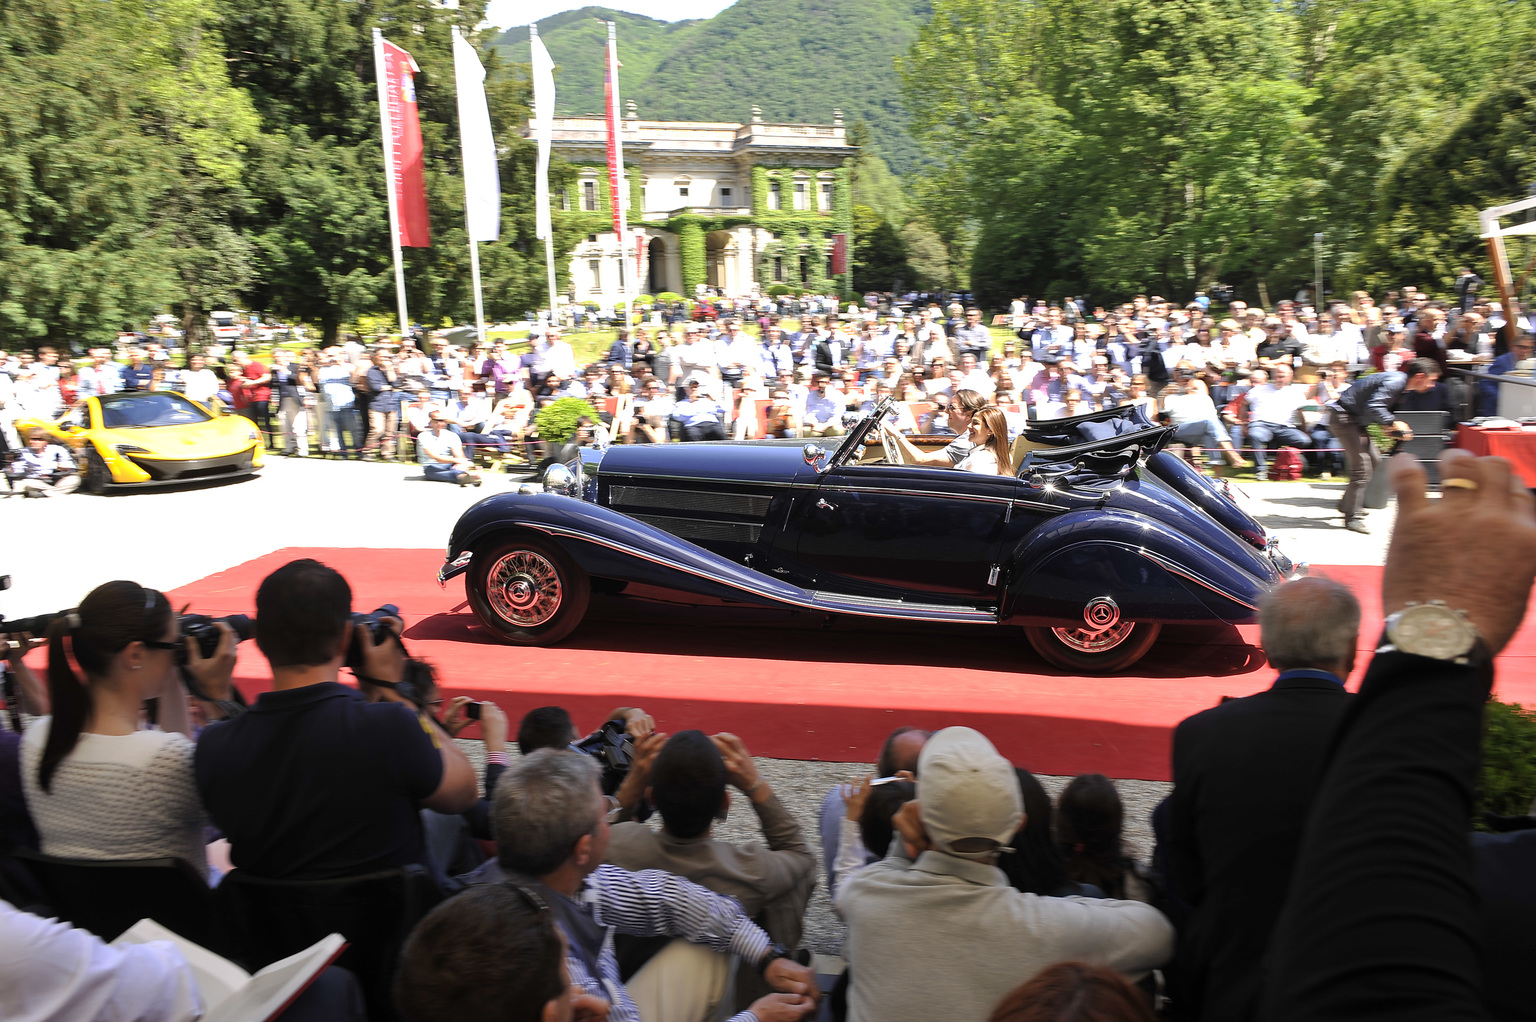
1518, 445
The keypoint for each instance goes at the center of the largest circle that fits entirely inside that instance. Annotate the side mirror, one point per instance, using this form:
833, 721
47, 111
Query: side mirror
814, 454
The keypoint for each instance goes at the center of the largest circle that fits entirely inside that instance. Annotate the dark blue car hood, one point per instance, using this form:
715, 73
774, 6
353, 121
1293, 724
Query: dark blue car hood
755, 461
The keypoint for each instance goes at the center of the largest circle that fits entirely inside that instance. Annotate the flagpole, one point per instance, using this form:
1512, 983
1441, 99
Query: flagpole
389, 177
618, 199
549, 235
474, 246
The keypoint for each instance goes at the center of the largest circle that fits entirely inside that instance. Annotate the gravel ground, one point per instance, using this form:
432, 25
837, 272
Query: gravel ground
801, 785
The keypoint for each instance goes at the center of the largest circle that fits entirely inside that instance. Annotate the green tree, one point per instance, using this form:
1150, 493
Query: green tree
880, 253
1385, 89
124, 144
1427, 218
1179, 160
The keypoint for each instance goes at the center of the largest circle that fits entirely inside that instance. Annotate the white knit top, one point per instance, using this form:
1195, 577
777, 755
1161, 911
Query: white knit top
117, 797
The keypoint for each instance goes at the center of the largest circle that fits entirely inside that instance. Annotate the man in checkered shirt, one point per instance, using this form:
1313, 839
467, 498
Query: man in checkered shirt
551, 825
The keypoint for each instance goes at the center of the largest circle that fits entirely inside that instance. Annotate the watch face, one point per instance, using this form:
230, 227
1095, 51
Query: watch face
1433, 631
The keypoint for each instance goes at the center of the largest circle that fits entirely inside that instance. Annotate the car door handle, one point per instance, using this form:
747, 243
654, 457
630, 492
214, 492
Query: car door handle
821, 503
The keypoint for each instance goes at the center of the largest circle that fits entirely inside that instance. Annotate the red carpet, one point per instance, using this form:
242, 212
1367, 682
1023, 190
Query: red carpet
797, 691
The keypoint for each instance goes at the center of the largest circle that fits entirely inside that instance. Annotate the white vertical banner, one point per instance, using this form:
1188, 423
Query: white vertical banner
544, 132
482, 180
543, 125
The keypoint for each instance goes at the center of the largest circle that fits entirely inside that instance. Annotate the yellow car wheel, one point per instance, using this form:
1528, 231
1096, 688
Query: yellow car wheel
96, 474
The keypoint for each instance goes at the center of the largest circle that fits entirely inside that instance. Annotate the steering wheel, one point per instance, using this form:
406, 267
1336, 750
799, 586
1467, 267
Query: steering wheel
858, 436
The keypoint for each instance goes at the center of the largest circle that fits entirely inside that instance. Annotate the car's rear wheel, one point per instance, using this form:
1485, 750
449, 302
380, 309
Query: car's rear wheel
527, 590
97, 475
1094, 650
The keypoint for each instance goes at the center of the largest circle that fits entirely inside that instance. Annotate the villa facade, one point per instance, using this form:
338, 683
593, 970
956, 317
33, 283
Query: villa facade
734, 207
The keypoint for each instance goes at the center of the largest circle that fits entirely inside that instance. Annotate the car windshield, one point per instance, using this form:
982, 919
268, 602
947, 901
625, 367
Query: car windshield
861, 433
157, 408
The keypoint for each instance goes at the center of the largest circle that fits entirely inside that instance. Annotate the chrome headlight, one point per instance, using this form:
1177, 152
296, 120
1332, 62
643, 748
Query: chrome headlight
559, 479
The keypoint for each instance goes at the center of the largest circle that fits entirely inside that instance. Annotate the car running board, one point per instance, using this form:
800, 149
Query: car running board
877, 606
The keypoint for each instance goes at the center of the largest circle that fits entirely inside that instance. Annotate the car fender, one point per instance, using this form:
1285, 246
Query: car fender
608, 544
1180, 477
1151, 572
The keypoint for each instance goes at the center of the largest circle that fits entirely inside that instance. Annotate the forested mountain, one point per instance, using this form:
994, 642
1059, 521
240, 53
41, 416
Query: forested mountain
796, 59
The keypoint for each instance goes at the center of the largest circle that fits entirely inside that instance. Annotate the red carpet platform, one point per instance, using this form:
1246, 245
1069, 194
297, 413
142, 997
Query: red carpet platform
798, 691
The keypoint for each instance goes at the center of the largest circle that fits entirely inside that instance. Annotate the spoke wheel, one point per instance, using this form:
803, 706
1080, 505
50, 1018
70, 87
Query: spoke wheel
524, 588
528, 591
1094, 650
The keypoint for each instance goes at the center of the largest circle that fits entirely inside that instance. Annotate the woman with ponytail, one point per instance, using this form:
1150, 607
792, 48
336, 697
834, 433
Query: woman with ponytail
99, 785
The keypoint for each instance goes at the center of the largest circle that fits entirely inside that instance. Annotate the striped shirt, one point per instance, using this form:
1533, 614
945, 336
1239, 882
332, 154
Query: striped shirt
650, 903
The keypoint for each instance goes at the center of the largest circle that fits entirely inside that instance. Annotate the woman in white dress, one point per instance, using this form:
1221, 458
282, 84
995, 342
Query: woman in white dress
992, 454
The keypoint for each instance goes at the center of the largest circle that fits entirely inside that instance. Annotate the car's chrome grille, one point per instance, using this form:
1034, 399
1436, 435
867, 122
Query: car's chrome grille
754, 505
694, 528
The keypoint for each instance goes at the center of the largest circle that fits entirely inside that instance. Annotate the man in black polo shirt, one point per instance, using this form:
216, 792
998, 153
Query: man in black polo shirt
315, 782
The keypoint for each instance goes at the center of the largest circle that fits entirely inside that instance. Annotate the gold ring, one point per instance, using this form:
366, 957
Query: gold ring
1458, 483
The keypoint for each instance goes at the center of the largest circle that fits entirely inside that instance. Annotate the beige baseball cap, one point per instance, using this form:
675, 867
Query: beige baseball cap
968, 794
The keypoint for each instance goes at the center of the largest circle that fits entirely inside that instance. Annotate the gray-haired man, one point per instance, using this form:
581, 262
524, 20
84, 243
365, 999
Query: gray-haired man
550, 820
1244, 777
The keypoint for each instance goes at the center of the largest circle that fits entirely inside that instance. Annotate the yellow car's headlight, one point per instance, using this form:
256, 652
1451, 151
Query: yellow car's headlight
129, 449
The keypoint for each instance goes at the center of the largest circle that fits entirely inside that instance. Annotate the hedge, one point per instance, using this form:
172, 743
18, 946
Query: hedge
1506, 784
556, 421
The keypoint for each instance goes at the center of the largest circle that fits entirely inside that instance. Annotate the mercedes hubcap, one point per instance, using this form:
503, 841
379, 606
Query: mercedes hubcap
1102, 629
524, 588
1089, 640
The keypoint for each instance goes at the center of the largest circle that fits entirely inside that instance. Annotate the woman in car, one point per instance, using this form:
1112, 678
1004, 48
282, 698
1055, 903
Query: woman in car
991, 453
961, 410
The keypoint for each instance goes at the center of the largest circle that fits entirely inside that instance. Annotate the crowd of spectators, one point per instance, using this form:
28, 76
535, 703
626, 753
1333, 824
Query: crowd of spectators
1313, 859
1237, 385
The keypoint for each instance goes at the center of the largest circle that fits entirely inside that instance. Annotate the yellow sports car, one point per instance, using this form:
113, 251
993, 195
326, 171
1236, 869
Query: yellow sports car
146, 438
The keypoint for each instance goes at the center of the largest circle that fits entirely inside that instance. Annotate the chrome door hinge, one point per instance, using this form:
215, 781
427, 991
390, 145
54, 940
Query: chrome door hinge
992, 575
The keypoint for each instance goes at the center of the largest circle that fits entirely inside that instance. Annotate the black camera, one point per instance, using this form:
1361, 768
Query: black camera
377, 631
472, 711
614, 751
36, 626
204, 630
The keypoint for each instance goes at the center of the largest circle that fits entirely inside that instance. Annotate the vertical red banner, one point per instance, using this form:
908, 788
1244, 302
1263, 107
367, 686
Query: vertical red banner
839, 254
405, 154
611, 104
639, 254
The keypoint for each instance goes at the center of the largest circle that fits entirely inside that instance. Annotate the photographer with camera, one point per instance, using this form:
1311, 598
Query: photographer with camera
98, 784
315, 782
23, 694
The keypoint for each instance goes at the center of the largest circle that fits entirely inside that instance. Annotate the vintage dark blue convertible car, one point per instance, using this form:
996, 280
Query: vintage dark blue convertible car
1100, 539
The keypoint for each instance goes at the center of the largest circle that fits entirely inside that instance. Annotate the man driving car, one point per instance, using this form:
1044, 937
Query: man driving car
962, 409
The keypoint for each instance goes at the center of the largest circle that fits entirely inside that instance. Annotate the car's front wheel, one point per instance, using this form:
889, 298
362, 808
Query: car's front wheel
97, 475
528, 591
1094, 650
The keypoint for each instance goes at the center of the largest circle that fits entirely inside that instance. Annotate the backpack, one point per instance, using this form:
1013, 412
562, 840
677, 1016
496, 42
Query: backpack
1287, 464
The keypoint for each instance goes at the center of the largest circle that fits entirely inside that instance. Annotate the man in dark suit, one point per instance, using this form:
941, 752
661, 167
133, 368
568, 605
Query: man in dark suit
1244, 776
833, 350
